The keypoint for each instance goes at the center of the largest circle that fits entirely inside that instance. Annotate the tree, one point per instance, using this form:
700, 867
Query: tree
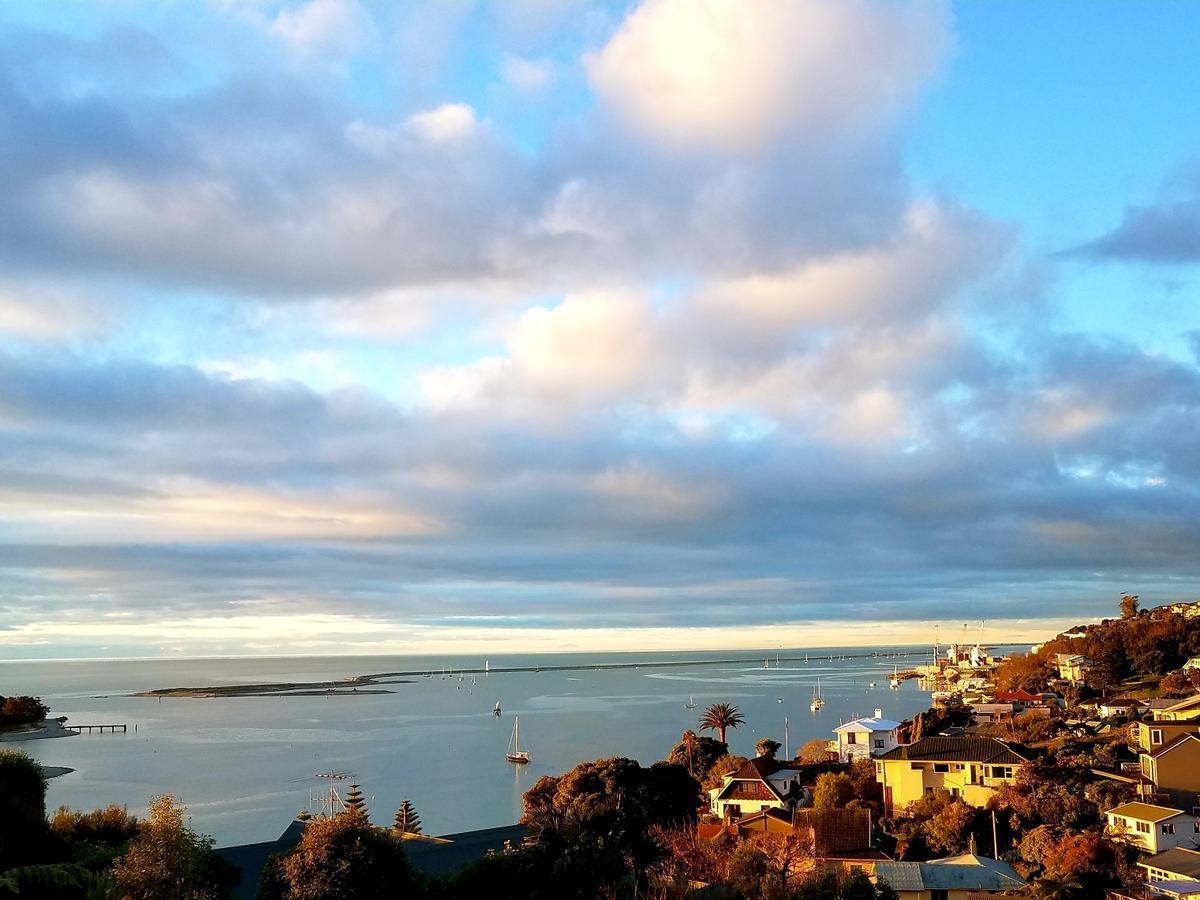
24, 833
719, 717
407, 820
344, 856
833, 790
816, 751
1129, 606
169, 861
355, 804
697, 754
767, 747
726, 765
950, 828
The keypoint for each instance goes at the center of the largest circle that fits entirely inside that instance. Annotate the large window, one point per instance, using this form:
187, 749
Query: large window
1143, 827
1168, 827
941, 767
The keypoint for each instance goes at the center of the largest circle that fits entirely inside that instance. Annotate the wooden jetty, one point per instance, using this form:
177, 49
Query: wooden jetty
100, 728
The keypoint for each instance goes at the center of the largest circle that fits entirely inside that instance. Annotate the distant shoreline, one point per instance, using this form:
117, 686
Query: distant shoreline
355, 685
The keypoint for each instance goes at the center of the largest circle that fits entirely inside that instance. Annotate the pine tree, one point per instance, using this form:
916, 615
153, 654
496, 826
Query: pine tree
407, 820
355, 804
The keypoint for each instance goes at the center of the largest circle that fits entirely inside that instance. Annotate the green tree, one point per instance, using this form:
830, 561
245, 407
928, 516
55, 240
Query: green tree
697, 754
24, 834
719, 717
950, 828
343, 856
407, 820
767, 747
1129, 606
833, 790
355, 804
169, 861
726, 765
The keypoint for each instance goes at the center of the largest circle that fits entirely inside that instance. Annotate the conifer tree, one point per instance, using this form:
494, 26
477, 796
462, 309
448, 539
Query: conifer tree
355, 804
407, 820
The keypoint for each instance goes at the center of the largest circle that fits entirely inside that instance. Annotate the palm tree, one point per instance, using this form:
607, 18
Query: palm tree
767, 747
720, 716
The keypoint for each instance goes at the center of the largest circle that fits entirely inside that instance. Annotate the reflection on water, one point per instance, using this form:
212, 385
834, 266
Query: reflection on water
245, 765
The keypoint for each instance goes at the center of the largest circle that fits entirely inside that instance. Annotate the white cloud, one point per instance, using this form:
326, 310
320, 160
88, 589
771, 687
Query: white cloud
445, 124
736, 73
526, 75
322, 26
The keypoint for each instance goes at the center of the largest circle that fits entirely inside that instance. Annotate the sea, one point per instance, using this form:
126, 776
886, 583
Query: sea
245, 766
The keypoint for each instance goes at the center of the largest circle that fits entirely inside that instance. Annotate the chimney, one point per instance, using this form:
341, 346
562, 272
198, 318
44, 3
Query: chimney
878, 713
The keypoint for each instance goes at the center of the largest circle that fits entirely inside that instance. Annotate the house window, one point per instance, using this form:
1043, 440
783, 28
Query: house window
1196, 827
941, 767
1168, 828
938, 894
878, 744
1155, 735
1143, 827
918, 767
851, 738
1002, 772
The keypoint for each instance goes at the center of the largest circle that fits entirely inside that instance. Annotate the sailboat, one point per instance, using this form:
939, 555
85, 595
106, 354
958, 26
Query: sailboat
496, 711
515, 753
817, 701
894, 684
691, 704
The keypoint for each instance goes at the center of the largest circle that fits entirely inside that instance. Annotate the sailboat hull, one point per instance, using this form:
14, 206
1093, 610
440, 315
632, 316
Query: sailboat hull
519, 758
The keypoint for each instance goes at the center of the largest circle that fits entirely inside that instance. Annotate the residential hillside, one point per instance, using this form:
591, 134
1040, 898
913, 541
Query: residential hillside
1142, 649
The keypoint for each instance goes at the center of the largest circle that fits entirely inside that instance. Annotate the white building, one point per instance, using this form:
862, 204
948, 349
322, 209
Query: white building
864, 737
1153, 828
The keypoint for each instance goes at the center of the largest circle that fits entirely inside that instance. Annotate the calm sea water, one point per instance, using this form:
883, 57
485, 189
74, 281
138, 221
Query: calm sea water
245, 766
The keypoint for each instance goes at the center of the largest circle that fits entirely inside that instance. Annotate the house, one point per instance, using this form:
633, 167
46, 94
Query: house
1072, 667
1173, 873
250, 859
1152, 828
967, 766
1121, 708
1186, 710
963, 877
448, 853
761, 783
1193, 663
865, 737
1174, 769
987, 713
1021, 698
1152, 735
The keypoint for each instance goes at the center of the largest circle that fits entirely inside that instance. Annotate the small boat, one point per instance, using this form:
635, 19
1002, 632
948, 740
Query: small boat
691, 704
873, 685
496, 711
817, 700
515, 753
894, 684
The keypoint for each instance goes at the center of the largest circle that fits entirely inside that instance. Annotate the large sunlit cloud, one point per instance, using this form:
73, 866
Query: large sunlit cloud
735, 74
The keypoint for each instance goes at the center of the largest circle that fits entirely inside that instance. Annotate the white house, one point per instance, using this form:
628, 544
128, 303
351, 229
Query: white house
760, 784
1153, 828
1193, 663
1072, 667
868, 736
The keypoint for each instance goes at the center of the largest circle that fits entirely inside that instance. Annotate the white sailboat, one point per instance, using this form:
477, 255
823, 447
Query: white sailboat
894, 684
515, 753
691, 704
817, 700
496, 711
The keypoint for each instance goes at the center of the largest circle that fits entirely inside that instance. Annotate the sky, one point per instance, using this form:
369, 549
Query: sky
371, 327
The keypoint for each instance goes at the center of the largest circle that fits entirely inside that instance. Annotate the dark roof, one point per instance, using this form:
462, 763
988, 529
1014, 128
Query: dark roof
964, 748
438, 858
251, 858
1178, 862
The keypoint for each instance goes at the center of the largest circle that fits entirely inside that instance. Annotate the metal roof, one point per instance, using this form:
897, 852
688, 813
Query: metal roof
967, 872
1146, 812
1181, 862
940, 748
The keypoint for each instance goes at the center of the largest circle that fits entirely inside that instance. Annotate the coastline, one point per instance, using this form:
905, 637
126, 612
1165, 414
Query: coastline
44, 730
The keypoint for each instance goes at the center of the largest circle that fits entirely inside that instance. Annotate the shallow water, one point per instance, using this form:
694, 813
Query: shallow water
245, 765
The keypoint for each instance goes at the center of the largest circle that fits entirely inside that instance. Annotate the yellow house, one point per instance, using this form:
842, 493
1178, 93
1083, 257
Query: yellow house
967, 767
1186, 710
1174, 770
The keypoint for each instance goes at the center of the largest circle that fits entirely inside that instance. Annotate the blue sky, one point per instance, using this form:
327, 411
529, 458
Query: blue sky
333, 325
